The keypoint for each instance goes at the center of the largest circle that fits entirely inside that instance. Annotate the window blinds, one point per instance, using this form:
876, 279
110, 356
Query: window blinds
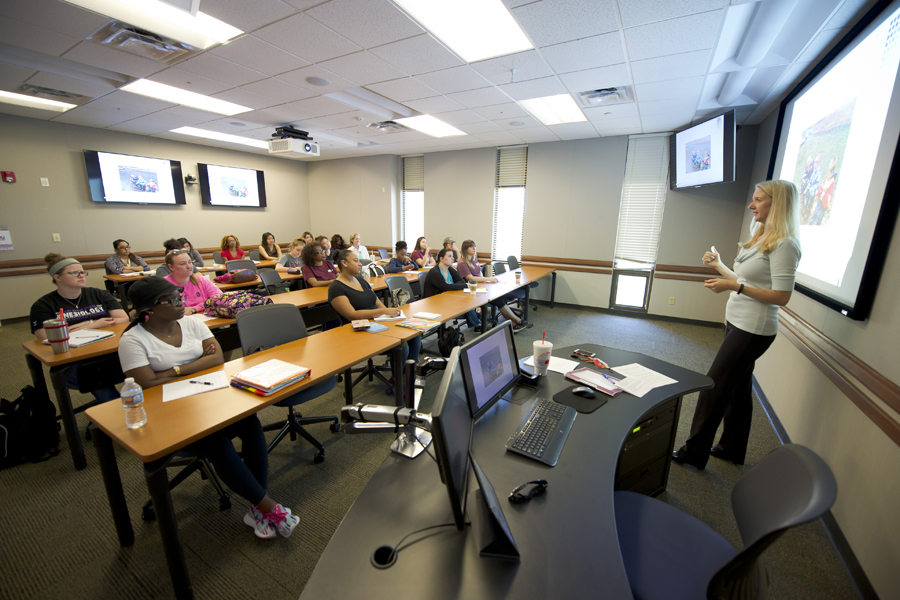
509, 202
412, 199
414, 172
643, 199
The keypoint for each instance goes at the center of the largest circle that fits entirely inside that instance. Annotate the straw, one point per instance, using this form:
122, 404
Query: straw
60, 314
543, 337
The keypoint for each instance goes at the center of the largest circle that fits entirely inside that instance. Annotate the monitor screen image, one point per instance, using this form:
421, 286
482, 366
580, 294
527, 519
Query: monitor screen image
490, 367
133, 179
231, 186
704, 153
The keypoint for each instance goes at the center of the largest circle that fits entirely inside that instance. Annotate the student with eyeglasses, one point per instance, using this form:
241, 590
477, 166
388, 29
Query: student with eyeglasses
123, 261
83, 308
318, 271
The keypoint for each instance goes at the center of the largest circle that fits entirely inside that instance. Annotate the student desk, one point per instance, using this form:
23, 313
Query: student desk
173, 425
566, 537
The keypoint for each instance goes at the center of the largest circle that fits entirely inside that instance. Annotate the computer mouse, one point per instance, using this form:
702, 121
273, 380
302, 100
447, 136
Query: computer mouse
583, 391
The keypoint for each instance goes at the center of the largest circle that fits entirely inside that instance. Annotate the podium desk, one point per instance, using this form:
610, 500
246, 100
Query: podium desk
566, 537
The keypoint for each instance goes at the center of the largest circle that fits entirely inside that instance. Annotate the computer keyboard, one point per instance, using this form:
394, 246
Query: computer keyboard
543, 433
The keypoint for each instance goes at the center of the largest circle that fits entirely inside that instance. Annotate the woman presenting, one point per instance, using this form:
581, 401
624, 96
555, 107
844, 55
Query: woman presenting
762, 280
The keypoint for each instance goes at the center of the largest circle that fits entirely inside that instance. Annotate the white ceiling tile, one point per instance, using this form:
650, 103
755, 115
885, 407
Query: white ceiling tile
281, 115
56, 16
189, 81
9, 86
848, 12
112, 106
247, 16
573, 131
460, 117
23, 111
663, 107
662, 90
152, 124
670, 67
134, 103
417, 55
306, 38
258, 55
596, 79
534, 88
663, 124
246, 98
219, 69
685, 34
479, 127
616, 111
818, 46
404, 136
278, 90
589, 53
185, 115
507, 110
113, 60
361, 131
75, 86
614, 124
455, 79
529, 134
15, 73
91, 117
299, 76
367, 22
32, 37
322, 106
640, 12
477, 98
234, 125
618, 132
556, 21
401, 90
527, 65
362, 67
349, 120
498, 137
525, 123
435, 104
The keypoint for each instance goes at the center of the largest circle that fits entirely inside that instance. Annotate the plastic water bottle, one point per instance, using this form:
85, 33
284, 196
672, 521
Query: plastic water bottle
133, 401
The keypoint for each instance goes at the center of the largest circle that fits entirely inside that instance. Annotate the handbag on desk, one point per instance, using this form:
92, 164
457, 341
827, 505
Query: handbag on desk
239, 276
229, 304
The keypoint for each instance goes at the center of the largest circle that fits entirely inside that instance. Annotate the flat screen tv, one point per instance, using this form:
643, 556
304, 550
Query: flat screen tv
231, 186
836, 139
133, 179
703, 154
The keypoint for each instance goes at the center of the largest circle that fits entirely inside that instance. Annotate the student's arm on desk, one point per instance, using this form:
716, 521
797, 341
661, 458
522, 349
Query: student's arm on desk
116, 317
211, 357
342, 305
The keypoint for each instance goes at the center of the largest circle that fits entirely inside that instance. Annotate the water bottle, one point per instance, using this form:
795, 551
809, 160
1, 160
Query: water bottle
133, 401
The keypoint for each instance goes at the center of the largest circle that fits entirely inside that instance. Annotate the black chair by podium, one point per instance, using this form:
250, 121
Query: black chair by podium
513, 263
671, 555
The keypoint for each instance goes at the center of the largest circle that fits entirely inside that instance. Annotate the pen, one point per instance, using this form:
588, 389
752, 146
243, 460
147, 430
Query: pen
608, 378
200, 382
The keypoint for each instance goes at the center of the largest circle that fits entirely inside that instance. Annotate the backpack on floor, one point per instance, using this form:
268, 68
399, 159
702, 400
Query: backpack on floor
29, 430
229, 304
449, 337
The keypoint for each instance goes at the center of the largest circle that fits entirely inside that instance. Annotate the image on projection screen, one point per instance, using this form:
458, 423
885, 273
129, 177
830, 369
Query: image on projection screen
696, 154
833, 140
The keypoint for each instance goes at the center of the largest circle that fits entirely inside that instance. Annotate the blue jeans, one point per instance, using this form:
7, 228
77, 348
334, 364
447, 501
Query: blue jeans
247, 477
412, 348
102, 395
472, 319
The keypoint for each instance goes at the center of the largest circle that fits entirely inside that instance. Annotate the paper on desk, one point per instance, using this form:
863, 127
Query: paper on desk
401, 317
182, 389
559, 365
83, 337
639, 379
201, 317
134, 273
477, 291
376, 328
427, 315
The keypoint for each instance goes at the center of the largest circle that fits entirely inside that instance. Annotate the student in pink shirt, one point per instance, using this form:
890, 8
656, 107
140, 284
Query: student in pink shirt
197, 289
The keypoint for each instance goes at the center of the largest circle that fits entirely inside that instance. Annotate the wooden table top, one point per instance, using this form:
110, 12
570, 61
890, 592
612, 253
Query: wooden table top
173, 425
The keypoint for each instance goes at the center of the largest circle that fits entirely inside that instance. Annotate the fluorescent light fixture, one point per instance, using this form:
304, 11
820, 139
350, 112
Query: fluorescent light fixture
474, 29
553, 110
431, 126
200, 30
175, 95
222, 137
32, 102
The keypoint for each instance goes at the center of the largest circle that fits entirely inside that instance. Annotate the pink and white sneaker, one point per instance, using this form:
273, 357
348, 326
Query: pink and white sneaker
262, 526
282, 519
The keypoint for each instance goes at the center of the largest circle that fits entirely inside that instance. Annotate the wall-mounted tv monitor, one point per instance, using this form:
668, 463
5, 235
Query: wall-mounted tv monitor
133, 179
231, 186
703, 154
836, 139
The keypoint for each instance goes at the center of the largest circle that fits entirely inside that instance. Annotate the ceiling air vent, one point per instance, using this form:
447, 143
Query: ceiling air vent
606, 97
51, 94
146, 44
388, 127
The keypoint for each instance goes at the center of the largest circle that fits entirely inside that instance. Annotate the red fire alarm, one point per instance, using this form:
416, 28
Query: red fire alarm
8, 176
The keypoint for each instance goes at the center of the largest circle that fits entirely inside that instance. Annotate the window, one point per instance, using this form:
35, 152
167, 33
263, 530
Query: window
640, 221
413, 199
509, 202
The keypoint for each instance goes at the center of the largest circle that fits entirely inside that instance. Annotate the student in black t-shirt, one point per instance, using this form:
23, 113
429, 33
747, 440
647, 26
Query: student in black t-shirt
83, 308
444, 278
352, 297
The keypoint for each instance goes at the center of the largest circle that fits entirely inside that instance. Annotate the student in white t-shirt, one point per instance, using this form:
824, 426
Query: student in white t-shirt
161, 345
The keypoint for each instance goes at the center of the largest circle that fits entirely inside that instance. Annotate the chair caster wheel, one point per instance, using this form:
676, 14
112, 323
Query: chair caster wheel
340, 378
389, 392
224, 503
148, 514
87, 434
319, 458
335, 427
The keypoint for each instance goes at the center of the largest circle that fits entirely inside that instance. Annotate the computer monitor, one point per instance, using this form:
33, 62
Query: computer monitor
452, 430
490, 368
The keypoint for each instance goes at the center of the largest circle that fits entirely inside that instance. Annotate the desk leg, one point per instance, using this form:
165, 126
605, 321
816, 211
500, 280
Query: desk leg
37, 376
158, 484
120, 289
348, 386
64, 401
397, 365
552, 288
527, 302
484, 317
110, 469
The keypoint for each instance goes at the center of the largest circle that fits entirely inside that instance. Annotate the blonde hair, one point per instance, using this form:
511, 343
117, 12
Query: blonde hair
783, 220
170, 260
353, 235
298, 242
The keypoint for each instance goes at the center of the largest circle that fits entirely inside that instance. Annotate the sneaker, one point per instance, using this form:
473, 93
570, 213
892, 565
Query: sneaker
282, 519
522, 326
260, 523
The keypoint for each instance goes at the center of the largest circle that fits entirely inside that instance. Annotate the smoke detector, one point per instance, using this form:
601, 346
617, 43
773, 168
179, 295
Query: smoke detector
388, 127
128, 38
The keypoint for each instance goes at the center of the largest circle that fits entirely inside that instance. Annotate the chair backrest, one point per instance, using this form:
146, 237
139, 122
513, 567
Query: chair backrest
264, 327
217, 258
382, 253
162, 271
271, 280
422, 277
513, 262
792, 485
499, 268
399, 283
237, 265
254, 254
377, 270
365, 261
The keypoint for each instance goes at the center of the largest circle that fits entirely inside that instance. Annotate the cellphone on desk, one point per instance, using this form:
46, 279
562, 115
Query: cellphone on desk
531, 381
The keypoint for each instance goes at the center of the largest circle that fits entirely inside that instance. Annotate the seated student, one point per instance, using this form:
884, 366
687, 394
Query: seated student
352, 297
123, 261
160, 346
326, 246
268, 249
318, 271
231, 248
290, 262
470, 270
422, 253
361, 252
82, 307
451, 244
401, 262
171, 245
195, 255
337, 242
444, 278
196, 289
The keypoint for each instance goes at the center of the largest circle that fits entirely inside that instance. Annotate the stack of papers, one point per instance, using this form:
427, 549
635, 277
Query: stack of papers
560, 365
83, 337
269, 377
195, 385
420, 324
427, 315
399, 317
599, 381
477, 291
201, 317
639, 380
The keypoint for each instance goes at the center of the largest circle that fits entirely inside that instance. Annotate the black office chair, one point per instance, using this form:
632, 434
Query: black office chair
190, 462
263, 327
254, 254
272, 282
365, 261
217, 258
383, 253
518, 295
422, 276
162, 271
399, 283
670, 554
513, 263
237, 265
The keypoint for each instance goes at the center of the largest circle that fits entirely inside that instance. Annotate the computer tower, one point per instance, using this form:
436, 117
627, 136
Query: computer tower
644, 459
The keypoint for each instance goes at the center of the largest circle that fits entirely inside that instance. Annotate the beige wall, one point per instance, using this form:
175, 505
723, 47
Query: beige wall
815, 413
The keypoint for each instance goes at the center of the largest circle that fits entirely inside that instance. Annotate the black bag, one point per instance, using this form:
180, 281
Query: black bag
449, 337
29, 430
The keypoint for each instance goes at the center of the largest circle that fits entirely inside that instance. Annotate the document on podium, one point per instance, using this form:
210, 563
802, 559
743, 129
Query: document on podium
638, 380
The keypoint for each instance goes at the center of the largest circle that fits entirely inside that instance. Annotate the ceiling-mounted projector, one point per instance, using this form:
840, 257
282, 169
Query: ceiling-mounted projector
293, 147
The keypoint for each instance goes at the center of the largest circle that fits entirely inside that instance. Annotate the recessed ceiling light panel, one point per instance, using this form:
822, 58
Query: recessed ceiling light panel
222, 137
554, 110
33, 102
168, 93
430, 126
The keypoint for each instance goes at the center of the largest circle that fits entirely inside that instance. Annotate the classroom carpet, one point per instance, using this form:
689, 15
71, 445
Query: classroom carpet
59, 540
